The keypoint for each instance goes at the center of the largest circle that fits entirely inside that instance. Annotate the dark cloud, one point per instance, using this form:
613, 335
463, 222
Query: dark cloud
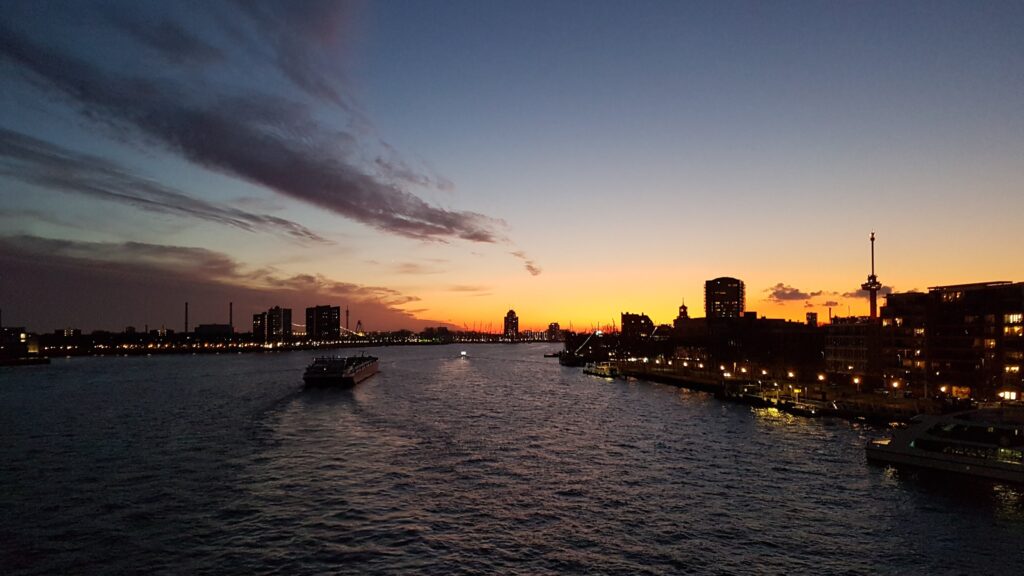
885, 290
174, 43
111, 284
785, 293
265, 140
830, 303
37, 162
529, 264
301, 36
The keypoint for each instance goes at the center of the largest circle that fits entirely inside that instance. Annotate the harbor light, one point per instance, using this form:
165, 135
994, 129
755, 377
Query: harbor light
943, 388
821, 377
790, 374
856, 380
895, 384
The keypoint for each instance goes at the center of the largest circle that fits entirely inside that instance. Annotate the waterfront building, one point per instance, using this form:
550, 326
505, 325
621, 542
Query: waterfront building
904, 345
554, 332
974, 336
724, 298
213, 331
511, 331
323, 323
279, 324
13, 342
852, 353
259, 327
636, 326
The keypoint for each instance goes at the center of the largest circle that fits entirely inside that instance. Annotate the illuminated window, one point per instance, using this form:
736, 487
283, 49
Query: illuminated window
990, 343
1013, 369
951, 296
918, 331
1016, 318
1013, 330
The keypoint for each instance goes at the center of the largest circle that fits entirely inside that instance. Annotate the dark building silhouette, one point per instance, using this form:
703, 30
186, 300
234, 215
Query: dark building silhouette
554, 332
323, 323
274, 325
214, 331
279, 324
974, 335
13, 342
853, 353
259, 327
511, 326
724, 298
636, 326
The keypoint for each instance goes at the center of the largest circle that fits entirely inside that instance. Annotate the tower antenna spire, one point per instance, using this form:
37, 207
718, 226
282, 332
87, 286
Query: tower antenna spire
872, 285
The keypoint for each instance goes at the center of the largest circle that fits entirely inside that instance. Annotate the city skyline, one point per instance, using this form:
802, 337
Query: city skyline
443, 163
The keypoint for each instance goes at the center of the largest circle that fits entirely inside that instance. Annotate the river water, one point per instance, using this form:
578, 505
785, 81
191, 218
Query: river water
502, 462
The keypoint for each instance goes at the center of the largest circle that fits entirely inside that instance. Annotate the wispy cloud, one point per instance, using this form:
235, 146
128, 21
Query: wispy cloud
53, 167
258, 137
529, 264
168, 39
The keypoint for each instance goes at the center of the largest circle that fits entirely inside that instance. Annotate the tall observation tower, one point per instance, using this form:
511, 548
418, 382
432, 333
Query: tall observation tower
872, 285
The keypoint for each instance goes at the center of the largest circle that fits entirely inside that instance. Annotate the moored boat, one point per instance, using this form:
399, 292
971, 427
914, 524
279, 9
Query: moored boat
340, 370
603, 369
987, 442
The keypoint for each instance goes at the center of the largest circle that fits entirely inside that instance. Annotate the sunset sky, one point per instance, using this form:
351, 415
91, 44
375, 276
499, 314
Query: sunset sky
442, 162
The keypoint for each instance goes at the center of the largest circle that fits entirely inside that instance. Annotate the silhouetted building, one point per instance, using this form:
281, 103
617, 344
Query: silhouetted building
636, 326
852, 352
724, 298
511, 325
279, 324
554, 332
13, 342
440, 334
812, 319
259, 327
974, 335
213, 331
323, 323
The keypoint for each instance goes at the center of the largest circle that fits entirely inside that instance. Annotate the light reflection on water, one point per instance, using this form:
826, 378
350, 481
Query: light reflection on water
502, 461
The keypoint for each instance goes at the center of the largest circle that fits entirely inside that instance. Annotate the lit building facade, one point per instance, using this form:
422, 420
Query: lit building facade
974, 336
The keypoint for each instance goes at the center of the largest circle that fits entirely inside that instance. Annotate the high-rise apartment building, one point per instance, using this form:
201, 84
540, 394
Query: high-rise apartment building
323, 323
724, 298
511, 325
